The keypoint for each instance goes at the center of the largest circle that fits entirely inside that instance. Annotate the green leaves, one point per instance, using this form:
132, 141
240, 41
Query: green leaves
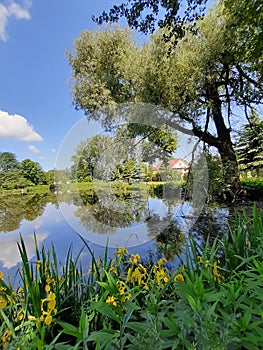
189, 309
102, 68
249, 146
32, 171
8, 161
246, 21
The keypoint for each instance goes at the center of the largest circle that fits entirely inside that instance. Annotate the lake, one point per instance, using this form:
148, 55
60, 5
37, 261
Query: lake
145, 220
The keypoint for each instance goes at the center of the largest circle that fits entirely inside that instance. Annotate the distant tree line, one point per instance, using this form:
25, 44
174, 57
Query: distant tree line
125, 157
15, 174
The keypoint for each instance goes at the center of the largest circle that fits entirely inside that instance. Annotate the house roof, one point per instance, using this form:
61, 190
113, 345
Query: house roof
173, 163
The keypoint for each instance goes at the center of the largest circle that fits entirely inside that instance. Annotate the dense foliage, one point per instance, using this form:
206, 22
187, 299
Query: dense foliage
250, 146
8, 161
14, 175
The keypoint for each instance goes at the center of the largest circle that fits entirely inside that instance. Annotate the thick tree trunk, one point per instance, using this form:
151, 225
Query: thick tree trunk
230, 169
227, 153
223, 143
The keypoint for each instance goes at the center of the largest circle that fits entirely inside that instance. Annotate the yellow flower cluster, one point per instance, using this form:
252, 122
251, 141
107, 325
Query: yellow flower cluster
19, 315
48, 282
111, 300
5, 338
113, 268
135, 258
120, 297
44, 269
3, 302
179, 277
161, 273
206, 263
121, 252
218, 277
137, 273
50, 303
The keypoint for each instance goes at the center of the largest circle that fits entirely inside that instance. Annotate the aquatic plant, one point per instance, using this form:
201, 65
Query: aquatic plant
213, 300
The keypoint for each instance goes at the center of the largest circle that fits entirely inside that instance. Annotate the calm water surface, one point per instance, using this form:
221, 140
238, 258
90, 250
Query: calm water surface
141, 220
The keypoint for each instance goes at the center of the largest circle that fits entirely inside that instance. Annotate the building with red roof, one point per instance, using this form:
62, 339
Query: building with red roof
178, 164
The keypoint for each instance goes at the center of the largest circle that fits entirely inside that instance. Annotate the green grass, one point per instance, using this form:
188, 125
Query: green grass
212, 301
38, 189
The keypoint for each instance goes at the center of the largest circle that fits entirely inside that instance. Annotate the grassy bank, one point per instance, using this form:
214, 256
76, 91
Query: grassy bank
212, 301
38, 189
253, 186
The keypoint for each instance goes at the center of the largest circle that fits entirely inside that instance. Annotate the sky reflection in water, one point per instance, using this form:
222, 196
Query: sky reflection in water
137, 227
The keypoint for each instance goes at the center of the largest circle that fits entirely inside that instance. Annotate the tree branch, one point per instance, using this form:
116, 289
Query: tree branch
249, 79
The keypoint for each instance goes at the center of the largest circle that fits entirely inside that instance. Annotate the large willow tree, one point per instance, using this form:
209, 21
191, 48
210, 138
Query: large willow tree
200, 78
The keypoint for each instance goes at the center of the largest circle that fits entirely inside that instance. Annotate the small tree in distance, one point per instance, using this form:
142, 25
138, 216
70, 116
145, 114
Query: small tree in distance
250, 146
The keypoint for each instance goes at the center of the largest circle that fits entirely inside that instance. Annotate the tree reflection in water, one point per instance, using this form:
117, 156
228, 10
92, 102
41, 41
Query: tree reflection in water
109, 210
168, 235
104, 212
211, 224
15, 208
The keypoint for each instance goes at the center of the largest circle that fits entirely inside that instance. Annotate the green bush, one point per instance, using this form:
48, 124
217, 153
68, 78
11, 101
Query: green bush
253, 186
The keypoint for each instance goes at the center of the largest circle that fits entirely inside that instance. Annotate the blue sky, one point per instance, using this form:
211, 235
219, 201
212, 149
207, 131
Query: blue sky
36, 109
36, 112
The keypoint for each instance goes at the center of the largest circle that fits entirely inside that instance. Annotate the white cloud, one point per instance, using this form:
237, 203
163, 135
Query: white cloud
17, 127
53, 150
12, 8
33, 149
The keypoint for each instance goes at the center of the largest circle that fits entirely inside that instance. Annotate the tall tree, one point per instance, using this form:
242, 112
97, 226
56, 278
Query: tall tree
250, 145
8, 161
199, 78
92, 157
114, 156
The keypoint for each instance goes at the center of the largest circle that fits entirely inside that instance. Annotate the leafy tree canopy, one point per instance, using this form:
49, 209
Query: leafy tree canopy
246, 21
89, 153
32, 171
121, 155
8, 161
